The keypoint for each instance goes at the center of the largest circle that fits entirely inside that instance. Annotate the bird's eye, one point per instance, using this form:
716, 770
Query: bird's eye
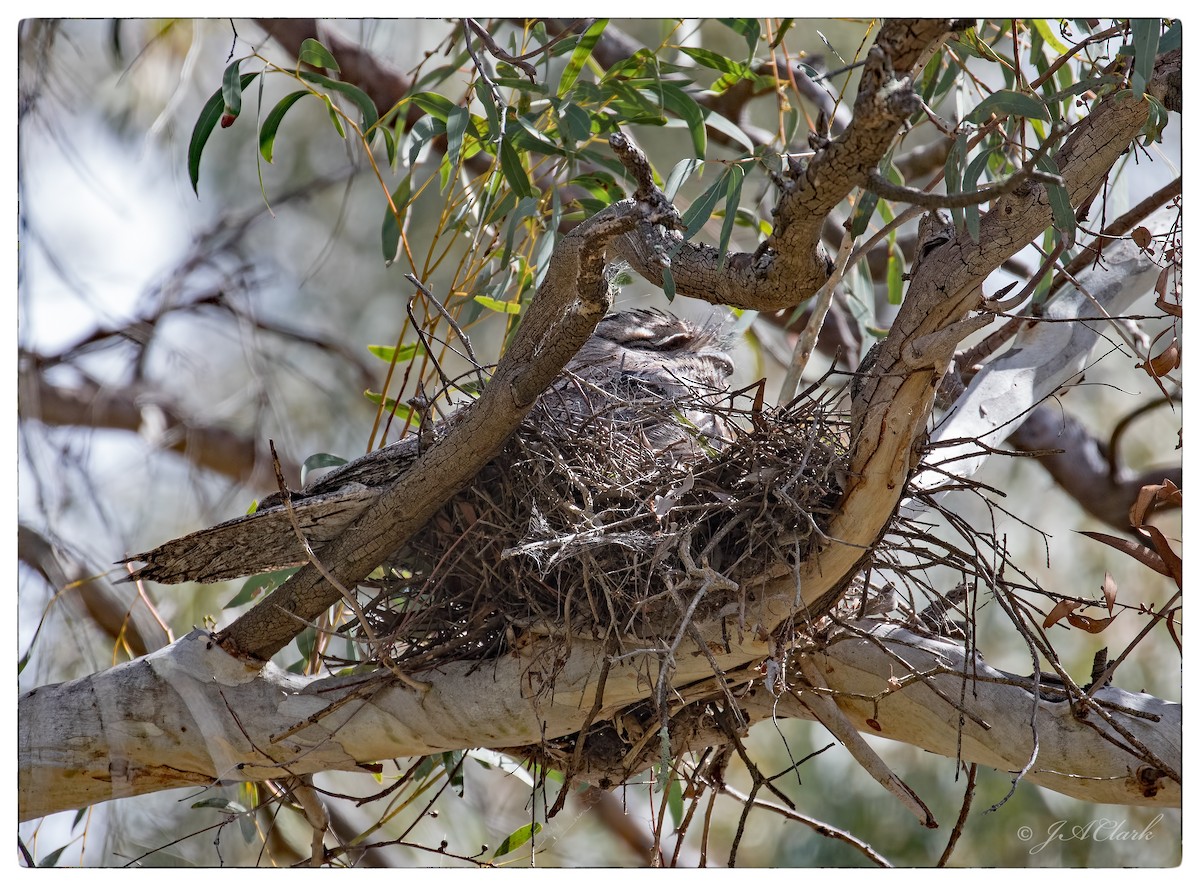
677, 342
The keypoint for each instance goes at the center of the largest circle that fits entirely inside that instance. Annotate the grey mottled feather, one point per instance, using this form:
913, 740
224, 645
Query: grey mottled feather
631, 379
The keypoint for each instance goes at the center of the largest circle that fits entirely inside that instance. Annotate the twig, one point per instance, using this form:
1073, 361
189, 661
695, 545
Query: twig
917, 197
956, 831
494, 48
831, 717
821, 302
825, 830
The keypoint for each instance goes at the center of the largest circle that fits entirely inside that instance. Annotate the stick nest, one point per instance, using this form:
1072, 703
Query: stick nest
588, 531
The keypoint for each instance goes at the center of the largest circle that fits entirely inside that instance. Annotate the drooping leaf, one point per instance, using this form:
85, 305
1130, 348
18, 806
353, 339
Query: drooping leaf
514, 172
895, 275
684, 106
393, 223
526, 207
733, 195
456, 126
863, 212
333, 116
1060, 204
231, 90
424, 130
702, 208
270, 126
1145, 48
678, 175
212, 111
576, 123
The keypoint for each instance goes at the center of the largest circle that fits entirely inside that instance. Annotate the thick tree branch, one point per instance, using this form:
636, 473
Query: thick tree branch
1082, 469
168, 720
88, 404
791, 264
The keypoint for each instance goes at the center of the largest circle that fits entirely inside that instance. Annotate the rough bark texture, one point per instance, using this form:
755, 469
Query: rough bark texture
791, 265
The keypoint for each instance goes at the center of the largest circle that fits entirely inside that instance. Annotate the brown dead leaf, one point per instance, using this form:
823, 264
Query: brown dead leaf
1110, 591
1142, 237
1169, 557
1091, 625
1061, 609
1141, 553
1154, 494
1167, 360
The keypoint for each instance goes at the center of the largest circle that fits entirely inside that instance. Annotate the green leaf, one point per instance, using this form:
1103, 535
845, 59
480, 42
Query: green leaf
456, 125
684, 106
423, 131
1172, 39
733, 196
270, 126
1145, 47
679, 174
257, 585
212, 111
668, 284
433, 104
514, 172
731, 130
716, 61
392, 226
863, 212
500, 307
526, 207
402, 354
576, 123
1009, 103
528, 137
390, 406
954, 172
366, 107
600, 185
702, 208
51, 859
316, 461
1047, 33
231, 89
895, 275
675, 802
231, 806
748, 28
583, 51
1060, 204
491, 110
517, 838
312, 52
333, 115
